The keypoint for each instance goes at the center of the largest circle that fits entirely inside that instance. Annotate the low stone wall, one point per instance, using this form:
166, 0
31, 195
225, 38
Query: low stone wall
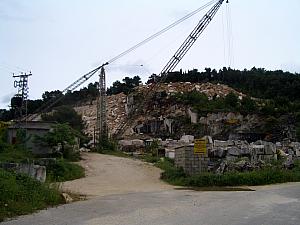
35, 171
190, 162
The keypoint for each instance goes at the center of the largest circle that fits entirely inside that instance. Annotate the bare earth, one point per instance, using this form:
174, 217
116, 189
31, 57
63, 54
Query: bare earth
106, 175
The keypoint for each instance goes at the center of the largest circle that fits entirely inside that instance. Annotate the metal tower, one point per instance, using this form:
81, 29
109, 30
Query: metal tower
101, 126
19, 101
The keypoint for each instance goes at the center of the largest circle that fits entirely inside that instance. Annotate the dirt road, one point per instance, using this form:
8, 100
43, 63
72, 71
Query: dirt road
106, 175
130, 193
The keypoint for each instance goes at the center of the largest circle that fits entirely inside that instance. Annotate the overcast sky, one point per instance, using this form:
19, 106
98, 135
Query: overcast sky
60, 40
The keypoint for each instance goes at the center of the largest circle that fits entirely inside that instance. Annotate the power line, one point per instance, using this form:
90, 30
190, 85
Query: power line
87, 76
161, 31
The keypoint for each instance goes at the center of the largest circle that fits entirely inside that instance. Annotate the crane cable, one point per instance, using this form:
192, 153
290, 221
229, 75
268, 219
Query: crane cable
229, 36
87, 76
161, 31
139, 106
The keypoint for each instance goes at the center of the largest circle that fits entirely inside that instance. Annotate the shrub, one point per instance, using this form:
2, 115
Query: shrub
64, 171
269, 175
20, 194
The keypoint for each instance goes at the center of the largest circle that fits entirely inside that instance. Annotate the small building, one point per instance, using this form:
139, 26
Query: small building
31, 129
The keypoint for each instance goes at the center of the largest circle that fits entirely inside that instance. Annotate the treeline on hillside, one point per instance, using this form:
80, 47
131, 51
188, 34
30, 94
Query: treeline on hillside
89, 93
70, 98
258, 83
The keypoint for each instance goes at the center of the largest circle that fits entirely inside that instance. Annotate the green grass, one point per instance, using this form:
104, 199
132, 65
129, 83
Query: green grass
271, 175
20, 194
64, 171
14, 154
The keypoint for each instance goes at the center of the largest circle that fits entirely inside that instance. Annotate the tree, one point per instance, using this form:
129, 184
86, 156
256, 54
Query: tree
60, 134
65, 114
231, 100
126, 86
48, 96
248, 105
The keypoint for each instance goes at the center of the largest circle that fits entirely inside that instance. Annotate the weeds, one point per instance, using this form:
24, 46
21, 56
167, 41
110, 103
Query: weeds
64, 171
20, 194
269, 175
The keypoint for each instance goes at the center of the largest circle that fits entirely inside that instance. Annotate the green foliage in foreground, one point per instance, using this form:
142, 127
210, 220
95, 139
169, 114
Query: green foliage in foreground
64, 171
258, 177
20, 194
14, 154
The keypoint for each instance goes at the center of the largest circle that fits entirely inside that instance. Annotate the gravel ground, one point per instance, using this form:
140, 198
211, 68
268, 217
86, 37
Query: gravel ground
272, 205
107, 175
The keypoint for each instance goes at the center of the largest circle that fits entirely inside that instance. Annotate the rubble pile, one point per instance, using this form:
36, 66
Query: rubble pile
236, 155
115, 113
211, 90
240, 155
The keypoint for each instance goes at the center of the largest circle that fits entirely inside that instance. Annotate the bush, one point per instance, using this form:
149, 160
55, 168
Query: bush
14, 154
20, 194
271, 175
64, 171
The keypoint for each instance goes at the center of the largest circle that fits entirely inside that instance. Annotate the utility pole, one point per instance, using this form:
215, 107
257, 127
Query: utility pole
20, 99
101, 125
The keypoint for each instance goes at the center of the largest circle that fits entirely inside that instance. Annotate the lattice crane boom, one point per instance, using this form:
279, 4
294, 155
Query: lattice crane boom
176, 58
71, 87
191, 39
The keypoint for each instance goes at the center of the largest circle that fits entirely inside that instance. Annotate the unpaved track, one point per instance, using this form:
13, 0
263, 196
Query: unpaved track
130, 193
106, 175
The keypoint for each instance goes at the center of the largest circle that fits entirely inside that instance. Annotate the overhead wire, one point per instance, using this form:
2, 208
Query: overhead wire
171, 43
84, 78
230, 55
231, 36
157, 34
150, 90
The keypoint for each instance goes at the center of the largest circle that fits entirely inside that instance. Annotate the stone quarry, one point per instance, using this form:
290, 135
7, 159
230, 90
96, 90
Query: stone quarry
234, 141
120, 105
116, 113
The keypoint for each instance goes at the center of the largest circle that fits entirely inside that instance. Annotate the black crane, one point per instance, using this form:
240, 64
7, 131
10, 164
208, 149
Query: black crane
170, 66
176, 58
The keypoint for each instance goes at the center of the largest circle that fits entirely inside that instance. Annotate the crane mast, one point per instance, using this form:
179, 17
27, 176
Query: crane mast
101, 132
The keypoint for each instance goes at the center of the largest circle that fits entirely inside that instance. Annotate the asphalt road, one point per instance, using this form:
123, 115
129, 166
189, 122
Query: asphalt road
269, 205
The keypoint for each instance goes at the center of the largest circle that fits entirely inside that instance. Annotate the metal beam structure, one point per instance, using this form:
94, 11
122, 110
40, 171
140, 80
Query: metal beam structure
175, 60
22, 85
191, 39
101, 124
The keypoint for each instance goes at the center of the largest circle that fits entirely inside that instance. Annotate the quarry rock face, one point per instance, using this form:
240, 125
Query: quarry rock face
164, 117
116, 113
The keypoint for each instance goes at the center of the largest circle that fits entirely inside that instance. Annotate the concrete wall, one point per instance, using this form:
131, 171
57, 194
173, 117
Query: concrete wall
193, 116
34, 171
32, 128
30, 142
